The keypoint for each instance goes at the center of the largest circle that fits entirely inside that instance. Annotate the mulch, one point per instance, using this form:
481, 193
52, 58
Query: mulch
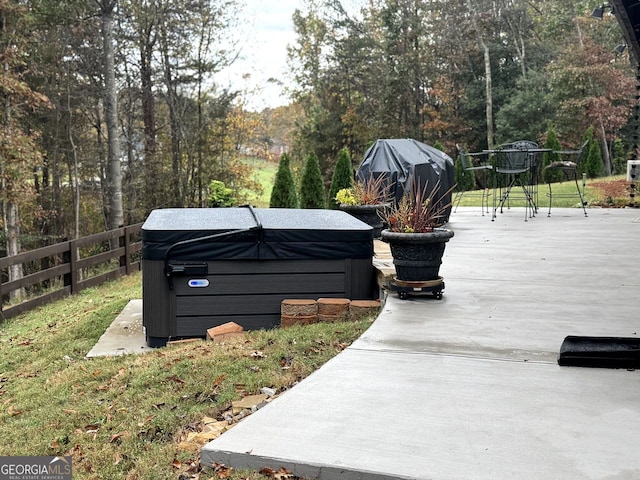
614, 191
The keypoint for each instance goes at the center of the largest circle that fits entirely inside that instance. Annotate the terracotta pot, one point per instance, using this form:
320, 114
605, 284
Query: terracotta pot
417, 256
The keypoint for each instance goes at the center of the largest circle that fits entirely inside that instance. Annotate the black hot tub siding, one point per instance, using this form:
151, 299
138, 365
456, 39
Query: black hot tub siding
252, 265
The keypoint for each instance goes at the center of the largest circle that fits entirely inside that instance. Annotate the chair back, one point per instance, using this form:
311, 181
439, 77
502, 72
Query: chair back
582, 152
464, 157
515, 156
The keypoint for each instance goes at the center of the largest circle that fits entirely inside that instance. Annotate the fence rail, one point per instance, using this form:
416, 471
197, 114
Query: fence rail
56, 271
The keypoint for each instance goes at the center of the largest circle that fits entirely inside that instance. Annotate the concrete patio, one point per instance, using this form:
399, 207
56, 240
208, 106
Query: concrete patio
468, 387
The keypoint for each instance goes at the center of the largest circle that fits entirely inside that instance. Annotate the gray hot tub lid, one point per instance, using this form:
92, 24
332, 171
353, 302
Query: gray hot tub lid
277, 233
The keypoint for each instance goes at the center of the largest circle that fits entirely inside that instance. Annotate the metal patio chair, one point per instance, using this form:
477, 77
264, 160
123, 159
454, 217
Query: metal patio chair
472, 163
516, 165
570, 169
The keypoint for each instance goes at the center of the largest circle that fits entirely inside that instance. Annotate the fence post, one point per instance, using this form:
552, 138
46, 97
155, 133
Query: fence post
66, 259
127, 250
73, 265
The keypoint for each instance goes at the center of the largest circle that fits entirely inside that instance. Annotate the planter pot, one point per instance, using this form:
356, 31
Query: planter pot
417, 256
369, 214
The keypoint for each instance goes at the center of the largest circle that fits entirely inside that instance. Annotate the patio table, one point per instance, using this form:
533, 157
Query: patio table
515, 163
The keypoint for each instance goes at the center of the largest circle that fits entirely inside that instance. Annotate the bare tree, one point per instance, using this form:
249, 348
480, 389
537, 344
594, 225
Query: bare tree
114, 172
487, 72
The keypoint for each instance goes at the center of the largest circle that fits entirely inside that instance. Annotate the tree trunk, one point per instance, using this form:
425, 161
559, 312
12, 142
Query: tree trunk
487, 74
10, 214
606, 158
173, 119
151, 167
114, 172
489, 93
12, 231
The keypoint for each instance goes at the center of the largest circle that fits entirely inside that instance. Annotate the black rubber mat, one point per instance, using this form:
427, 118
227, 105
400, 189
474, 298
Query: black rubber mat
602, 352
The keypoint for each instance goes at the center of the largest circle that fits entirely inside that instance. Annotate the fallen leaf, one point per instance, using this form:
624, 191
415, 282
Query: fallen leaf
281, 474
174, 378
284, 473
176, 463
219, 380
189, 447
221, 470
91, 428
118, 436
116, 458
207, 420
285, 362
203, 437
13, 412
69, 412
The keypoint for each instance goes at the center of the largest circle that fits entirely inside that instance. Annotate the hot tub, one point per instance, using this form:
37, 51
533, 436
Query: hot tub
203, 267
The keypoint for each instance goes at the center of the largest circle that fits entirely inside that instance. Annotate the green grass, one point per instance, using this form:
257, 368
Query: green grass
125, 417
264, 173
595, 194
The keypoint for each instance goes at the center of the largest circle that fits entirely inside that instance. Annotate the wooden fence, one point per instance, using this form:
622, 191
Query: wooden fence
59, 270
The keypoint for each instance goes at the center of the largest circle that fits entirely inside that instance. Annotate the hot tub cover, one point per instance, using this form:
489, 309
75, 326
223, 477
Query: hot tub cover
254, 233
403, 159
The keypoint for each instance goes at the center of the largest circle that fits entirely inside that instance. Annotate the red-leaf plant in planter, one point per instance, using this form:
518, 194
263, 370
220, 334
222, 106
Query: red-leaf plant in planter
416, 233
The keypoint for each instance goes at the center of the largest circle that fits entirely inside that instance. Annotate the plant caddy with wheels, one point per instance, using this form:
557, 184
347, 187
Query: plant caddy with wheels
417, 241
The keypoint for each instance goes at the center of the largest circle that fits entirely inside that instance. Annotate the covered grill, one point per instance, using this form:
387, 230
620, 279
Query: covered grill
402, 161
203, 267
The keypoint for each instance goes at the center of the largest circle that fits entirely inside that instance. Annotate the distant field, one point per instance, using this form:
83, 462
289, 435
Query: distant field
265, 173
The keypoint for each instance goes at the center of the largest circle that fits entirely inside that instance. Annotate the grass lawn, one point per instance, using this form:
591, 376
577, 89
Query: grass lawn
601, 192
137, 416
265, 174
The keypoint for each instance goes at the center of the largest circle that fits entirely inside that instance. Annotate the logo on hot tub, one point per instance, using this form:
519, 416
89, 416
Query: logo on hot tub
198, 282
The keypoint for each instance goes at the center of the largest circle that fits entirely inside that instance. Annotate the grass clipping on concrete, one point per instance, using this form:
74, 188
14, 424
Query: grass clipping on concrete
138, 416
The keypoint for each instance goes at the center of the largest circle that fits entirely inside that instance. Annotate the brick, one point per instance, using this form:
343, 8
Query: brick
333, 306
224, 332
301, 307
360, 309
290, 320
225, 337
330, 318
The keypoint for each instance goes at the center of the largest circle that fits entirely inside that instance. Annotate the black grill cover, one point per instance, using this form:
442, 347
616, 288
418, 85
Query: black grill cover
234, 233
400, 160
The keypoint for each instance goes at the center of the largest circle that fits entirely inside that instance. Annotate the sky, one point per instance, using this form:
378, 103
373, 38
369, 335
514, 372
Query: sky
265, 31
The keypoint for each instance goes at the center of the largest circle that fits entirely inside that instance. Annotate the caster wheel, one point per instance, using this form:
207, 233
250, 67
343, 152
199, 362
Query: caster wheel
438, 295
402, 295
